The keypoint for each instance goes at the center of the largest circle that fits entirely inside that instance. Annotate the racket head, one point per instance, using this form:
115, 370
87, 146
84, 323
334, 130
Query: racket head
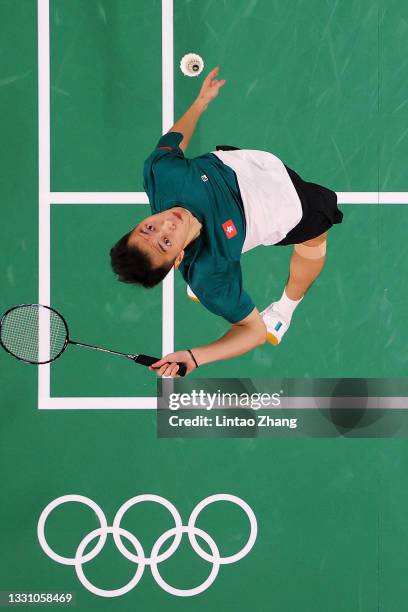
19, 333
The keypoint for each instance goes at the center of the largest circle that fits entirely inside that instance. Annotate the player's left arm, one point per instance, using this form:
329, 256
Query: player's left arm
239, 339
187, 123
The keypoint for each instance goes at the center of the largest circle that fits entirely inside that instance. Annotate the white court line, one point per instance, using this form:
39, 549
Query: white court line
167, 122
46, 199
140, 197
393, 197
293, 402
372, 197
44, 166
98, 403
99, 197
289, 402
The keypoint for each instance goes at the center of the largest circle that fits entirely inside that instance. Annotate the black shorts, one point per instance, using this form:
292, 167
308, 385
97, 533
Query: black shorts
319, 206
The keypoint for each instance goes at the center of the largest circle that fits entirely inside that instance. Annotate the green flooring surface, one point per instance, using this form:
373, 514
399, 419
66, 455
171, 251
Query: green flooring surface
321, 85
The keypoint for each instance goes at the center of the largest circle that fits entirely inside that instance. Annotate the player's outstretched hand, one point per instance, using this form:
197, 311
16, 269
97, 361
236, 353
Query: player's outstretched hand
167, 366
210, 87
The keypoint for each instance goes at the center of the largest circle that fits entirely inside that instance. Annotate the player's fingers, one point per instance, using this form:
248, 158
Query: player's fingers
174, 369
154, 368
164, 360
212, 74
158, 363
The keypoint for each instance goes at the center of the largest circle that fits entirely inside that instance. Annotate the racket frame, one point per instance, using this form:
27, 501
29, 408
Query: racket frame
66, 342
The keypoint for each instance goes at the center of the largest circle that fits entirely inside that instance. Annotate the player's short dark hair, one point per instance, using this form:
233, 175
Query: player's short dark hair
132, 265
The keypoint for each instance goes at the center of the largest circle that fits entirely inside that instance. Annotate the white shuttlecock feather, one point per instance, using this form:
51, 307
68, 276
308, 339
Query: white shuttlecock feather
191, 64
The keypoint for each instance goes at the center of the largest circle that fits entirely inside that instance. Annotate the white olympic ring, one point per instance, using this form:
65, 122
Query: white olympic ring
139, 558
137, 500
194, 591
80, 572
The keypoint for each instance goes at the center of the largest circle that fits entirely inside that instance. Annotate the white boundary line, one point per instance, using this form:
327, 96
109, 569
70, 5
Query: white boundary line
44, 166
46, 199
372, 197
140, 197
293, 403
168, 121
98, 403
99, 197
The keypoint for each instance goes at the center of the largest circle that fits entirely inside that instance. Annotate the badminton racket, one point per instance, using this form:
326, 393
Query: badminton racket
39, 334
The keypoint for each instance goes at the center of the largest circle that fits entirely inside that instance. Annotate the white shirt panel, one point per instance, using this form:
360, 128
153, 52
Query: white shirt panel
271, 203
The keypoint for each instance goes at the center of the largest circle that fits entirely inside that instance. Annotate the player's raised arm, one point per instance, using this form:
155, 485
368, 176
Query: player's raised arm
187, 123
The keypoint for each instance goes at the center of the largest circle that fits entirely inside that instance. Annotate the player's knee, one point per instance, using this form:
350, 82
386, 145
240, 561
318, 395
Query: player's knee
308, 251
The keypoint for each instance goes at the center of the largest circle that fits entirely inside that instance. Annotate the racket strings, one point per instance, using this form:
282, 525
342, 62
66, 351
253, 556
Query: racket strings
33, 333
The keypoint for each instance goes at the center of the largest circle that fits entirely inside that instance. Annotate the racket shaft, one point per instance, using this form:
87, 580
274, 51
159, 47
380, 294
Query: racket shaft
103, 350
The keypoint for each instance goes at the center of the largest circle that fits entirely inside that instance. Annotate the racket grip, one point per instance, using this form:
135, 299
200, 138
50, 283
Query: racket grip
146, 360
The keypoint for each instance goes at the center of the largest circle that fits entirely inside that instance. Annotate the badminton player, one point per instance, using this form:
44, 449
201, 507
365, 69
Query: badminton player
209, 210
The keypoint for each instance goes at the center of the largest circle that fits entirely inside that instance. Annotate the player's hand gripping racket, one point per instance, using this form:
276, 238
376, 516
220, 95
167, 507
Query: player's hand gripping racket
39, 334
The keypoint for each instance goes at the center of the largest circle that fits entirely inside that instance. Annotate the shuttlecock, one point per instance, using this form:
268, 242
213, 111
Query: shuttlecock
191, 64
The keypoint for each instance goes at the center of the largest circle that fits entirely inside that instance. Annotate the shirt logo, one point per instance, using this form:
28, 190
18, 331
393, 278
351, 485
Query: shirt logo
204, 178
229, 229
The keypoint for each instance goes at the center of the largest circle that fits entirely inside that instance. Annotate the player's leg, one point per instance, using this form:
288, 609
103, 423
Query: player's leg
307, 262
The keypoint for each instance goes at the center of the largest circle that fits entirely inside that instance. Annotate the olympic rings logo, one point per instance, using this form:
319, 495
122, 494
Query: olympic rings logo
155, 557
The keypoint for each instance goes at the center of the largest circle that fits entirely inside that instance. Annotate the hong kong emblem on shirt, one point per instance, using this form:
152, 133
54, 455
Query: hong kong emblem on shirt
229, 229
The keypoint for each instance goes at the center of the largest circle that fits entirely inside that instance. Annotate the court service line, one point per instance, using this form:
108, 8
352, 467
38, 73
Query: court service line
372, 197
99, 197
99, 403
140, 197
44, 171
167, 122
294, 403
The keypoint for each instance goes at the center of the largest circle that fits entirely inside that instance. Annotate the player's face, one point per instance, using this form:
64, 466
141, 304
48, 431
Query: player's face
163, 234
